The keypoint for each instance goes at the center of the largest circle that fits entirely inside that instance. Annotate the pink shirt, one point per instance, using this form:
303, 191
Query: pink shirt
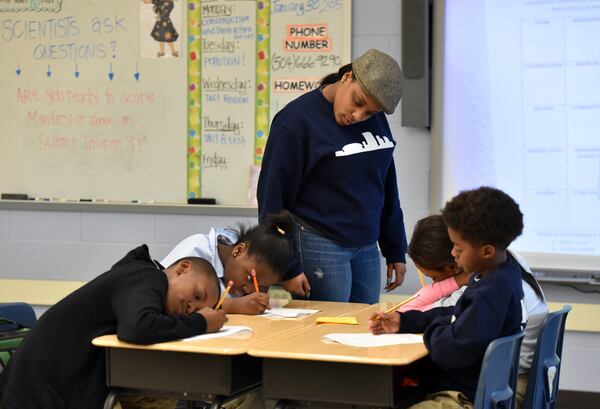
430, 294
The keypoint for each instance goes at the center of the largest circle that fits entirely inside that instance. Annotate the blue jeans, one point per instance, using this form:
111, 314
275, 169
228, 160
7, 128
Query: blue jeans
337, 272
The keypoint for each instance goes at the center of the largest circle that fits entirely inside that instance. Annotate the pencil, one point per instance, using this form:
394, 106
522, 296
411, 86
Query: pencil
229, 285
421, 278
253, 274
395, 307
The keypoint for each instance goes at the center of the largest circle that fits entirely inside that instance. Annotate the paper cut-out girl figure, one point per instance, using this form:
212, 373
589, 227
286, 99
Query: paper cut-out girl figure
164, 31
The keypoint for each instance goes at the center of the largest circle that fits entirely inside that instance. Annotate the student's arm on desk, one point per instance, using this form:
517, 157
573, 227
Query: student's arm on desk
138, 306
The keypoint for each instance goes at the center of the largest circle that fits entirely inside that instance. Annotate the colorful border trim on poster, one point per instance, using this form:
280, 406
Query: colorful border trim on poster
194, 93
52, 6
261, 125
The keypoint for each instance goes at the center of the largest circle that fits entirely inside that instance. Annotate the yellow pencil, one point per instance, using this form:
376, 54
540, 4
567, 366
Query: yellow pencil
229, 285
395, 307
421, 278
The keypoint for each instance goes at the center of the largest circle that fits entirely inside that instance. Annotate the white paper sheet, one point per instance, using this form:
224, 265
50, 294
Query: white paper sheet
227, 330
369, 340
288, 312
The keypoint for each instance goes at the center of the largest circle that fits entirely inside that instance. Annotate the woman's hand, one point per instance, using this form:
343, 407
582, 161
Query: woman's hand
384, 323
215, 319
396, 280
298, 286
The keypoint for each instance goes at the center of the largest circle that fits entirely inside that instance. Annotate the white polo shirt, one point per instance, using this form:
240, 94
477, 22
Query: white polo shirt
203, 246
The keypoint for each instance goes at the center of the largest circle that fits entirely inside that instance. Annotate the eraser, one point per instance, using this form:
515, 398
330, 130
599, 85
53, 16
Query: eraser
14, 196
202, 201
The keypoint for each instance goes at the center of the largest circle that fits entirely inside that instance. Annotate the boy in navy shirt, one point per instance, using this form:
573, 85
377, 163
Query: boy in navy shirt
481, 225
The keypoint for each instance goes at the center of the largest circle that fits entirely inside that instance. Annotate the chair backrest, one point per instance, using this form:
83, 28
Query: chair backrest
16, 315
542, 385
499, 370
16, 319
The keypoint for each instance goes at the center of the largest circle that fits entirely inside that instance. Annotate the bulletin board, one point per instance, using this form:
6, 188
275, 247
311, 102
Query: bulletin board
247, 60
154, 100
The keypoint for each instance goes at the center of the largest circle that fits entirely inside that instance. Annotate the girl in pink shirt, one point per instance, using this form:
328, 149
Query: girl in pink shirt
430, 249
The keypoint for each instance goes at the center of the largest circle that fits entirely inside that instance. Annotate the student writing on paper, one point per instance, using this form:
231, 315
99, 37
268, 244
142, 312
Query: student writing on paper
481, 224
266, 248
431, 246
329, 161
430, 250
57, 366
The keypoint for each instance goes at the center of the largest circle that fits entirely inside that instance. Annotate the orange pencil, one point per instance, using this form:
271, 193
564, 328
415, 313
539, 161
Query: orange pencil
253, 274
229, 285
395, 307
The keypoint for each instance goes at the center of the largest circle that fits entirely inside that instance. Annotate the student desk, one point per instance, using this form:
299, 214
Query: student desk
207, 370
307, 368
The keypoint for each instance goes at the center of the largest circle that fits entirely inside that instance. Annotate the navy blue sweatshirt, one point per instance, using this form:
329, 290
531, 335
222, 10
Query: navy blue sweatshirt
56, 365
457, 337
341, 180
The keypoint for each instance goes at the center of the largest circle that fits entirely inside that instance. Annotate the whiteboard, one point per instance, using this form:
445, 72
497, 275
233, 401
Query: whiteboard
226, 118
306, 45
520, 109
88, 109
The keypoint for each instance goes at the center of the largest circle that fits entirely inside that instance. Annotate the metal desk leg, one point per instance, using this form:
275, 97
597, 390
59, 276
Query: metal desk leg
111, 400
281, 404
217, 403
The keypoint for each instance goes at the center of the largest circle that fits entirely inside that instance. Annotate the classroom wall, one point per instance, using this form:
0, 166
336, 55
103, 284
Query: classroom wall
76, 245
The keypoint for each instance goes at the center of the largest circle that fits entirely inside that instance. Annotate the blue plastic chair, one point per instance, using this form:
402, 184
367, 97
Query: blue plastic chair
542, 385
16, 315
497, 386
16, 319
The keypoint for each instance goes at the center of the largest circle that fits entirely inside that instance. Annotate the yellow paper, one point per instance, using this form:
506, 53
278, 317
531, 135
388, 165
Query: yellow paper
337, 320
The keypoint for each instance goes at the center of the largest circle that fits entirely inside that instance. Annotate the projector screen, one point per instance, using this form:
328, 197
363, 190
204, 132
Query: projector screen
520, 110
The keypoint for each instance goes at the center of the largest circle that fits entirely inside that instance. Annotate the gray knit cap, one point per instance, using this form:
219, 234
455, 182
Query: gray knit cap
381, 77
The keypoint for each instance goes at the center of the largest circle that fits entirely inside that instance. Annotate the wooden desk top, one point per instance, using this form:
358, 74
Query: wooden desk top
264, 330
309, 345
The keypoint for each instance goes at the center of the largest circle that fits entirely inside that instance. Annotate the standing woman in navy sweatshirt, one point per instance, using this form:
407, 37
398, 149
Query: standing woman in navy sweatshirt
329, 161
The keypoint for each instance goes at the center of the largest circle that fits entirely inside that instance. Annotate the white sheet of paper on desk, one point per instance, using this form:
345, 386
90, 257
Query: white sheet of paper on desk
288, 312
226, 331
367, 339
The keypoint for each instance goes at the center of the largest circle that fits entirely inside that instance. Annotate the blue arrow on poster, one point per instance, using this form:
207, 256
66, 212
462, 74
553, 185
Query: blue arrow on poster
49, 72
111, 75
18, 70
76, 71
137, 72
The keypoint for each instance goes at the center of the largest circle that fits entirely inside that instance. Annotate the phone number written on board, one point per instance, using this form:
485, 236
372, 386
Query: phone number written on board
289, 62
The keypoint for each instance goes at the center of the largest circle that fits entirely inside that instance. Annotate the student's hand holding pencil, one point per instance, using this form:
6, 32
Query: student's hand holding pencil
388, 321
252, 304
384, 322
215, 319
